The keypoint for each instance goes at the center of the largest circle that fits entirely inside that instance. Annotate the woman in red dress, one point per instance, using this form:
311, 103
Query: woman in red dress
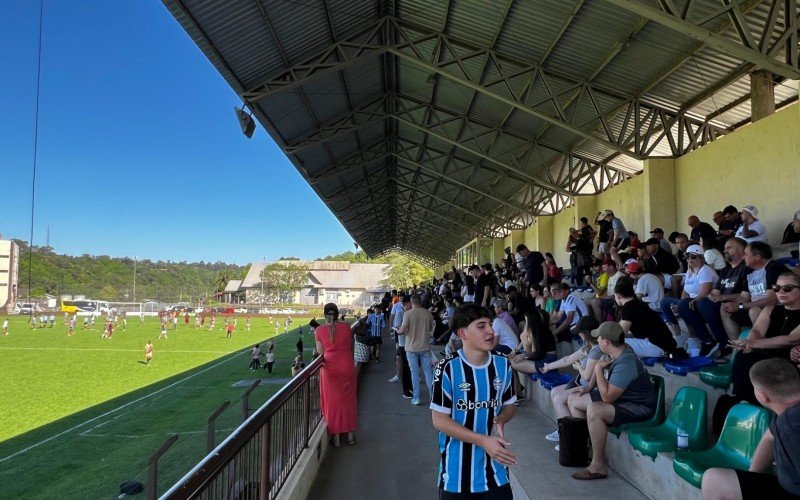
338, 376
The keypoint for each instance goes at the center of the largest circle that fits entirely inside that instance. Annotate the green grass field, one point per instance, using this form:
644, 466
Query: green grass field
82, 414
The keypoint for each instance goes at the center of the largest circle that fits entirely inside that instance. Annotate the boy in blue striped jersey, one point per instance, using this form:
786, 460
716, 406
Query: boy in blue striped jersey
473, 399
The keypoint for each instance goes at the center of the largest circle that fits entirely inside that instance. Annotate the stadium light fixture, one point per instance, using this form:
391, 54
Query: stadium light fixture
246, 122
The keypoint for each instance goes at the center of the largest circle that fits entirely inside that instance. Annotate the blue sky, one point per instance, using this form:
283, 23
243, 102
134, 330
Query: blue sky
139, 150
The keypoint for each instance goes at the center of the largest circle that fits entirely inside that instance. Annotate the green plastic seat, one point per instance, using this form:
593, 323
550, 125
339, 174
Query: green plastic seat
690, 407
743, 428
719, 376
657, 417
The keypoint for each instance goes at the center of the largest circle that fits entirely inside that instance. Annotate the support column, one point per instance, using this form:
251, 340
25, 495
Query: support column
762, 95
585, 206
544, 234
659, 195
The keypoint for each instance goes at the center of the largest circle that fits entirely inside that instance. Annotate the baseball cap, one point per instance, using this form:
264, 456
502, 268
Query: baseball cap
797, 215
652, 241
695, 249
631, 261
587, 324
750, 208
609, 330
607, 212
657, 230
634, 267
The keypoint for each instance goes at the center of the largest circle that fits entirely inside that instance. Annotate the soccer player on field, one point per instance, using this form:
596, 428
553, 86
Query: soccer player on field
148, 352
163, 329
71, 326
5, 326
473, 398
229, 330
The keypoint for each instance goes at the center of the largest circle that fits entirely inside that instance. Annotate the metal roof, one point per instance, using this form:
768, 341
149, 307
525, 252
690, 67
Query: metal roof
423, 124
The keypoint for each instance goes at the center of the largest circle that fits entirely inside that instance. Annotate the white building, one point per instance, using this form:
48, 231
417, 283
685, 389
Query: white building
9, 274
341, 282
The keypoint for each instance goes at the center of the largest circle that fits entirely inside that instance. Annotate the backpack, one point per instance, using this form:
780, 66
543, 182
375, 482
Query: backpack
573, 442
130, 488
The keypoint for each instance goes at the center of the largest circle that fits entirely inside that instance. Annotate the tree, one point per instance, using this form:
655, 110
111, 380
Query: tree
280, 280
404, 273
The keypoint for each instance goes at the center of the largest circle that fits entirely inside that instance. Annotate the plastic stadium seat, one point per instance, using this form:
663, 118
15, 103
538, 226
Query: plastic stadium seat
740, 435
720, 376
690, 407
684, 366
653, 361
657, 417
554, 379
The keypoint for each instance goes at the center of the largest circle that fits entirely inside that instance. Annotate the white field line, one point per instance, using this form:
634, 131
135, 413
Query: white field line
110, 412
60, 349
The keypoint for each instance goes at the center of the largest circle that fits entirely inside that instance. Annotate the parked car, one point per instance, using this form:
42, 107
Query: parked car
25, 308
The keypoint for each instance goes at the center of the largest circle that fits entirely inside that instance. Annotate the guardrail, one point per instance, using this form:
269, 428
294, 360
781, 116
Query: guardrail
257, 458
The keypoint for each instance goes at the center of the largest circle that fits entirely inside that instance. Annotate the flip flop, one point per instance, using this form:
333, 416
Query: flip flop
587, 475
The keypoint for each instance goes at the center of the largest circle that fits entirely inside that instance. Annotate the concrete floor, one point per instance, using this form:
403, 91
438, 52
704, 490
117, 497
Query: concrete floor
396, 455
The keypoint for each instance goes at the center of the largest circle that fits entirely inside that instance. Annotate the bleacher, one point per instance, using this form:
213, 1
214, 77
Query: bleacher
645, 453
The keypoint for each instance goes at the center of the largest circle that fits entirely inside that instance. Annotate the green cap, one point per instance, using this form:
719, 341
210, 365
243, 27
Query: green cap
609, 330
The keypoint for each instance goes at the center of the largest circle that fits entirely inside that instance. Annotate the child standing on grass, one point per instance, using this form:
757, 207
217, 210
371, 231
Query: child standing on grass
269, 358
255, 356
163, 329
473, 398
298, 365
247, 324
5, 326
141, 318
229, 330
148, 352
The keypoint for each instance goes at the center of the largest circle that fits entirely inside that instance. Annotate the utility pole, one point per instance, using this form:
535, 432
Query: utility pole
134, 278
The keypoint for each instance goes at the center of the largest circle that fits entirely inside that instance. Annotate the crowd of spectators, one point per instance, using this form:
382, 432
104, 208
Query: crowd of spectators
622, 300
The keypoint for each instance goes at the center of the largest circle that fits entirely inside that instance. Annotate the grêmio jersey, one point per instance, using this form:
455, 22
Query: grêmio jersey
472, 396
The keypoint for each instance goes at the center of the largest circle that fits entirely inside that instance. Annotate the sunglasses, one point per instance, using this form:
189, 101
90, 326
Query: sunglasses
784, 288
692, 256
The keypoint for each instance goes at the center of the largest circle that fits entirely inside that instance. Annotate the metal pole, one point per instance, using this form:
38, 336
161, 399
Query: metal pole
246, 399
152, 467
211, 420
264, 482
134, 278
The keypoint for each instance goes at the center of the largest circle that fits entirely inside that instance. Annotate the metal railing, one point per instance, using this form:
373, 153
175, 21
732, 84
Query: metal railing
257, 458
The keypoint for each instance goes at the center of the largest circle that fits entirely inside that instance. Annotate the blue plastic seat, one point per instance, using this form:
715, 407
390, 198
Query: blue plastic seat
684, 366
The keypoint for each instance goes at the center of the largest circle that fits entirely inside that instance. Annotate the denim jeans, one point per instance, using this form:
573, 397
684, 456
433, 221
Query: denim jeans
695, 318
414, 361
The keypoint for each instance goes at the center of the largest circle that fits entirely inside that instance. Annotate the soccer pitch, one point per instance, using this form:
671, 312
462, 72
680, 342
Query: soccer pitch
82, 414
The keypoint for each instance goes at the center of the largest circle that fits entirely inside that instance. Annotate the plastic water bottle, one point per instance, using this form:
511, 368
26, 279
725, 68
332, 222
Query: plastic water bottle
683, 438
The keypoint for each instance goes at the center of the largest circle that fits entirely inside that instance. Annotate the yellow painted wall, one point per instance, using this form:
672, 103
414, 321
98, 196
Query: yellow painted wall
758, 164
627, 203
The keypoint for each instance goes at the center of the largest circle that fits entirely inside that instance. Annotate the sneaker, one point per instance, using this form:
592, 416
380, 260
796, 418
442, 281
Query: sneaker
416, 401
407, 395
709, 349
553, 436
394, 379
557, 447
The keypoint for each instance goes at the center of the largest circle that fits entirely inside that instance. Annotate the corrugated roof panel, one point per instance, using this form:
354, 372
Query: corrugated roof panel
302, 28
532, 27
237, 31
422, 12
593, 34
290, 114
476, 21
348, 16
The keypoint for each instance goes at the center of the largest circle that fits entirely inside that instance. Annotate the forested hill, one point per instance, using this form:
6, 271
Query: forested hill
111, 278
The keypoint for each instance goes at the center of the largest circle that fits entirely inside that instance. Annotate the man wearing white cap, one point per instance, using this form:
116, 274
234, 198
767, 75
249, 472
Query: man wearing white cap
752, 229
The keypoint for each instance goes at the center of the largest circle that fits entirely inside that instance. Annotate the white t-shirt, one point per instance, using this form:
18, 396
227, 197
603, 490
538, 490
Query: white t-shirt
612, 283
714, 258
651, 290
506, 334
756, 226
694, 279
572, 303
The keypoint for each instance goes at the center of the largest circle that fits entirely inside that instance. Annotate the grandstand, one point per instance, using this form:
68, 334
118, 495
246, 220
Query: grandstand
453, 130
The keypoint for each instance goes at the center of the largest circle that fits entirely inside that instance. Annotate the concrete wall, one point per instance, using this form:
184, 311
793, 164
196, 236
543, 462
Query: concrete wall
758, 164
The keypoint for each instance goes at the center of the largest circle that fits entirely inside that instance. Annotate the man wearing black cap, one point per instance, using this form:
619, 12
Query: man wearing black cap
658, 233
628, 395
732, 222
